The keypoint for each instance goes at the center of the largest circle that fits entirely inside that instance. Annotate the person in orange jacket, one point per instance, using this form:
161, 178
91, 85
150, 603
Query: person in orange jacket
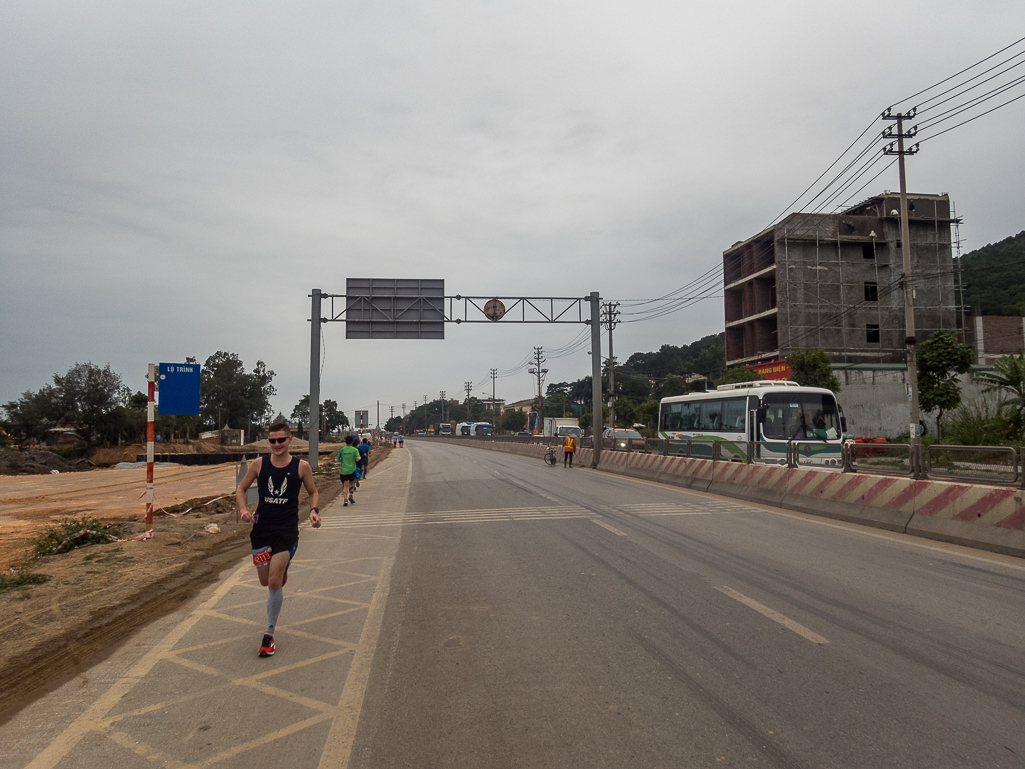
569, 448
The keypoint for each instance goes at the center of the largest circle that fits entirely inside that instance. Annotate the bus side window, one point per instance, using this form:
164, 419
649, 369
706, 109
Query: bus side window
734, 415
687, 412
711, 416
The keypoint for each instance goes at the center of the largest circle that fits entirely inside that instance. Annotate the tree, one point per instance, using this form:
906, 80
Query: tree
514, 420
738, 374
84, 398
941, 358
301, 410
647, 413
87, 394
993, 276
333, 418
1008, 377
812, 368
34, 412
230, 396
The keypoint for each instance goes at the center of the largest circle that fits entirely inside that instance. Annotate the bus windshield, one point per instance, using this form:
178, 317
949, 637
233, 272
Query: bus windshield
800, 416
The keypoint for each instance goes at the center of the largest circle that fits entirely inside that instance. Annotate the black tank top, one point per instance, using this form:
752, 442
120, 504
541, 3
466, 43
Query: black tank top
278, 509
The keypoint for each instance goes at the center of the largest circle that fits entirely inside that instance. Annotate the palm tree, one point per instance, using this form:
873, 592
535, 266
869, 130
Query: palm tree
1008, 376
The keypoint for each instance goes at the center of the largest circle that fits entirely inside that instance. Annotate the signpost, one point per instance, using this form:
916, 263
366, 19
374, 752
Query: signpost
179, 394
388, 308
362, 420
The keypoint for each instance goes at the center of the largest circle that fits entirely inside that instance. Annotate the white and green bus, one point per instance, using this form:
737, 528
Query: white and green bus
773, 413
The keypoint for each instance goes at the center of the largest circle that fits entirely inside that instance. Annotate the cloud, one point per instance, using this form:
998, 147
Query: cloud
178, 176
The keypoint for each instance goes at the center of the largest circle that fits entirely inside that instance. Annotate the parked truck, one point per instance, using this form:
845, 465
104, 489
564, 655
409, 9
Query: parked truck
560, 427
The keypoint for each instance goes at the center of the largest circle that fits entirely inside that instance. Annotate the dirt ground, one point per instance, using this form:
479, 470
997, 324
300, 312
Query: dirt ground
99, 593
38, 462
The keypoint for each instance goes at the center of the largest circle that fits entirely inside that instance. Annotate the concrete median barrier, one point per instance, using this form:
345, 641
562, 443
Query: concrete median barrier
980, 516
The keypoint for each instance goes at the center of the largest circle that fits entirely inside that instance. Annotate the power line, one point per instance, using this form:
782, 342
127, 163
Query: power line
958, 74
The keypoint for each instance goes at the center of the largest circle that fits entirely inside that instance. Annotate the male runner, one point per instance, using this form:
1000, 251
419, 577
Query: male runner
275, 534
364, 457
348, 458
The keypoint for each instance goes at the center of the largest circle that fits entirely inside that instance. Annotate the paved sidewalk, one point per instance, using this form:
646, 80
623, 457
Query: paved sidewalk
190, 691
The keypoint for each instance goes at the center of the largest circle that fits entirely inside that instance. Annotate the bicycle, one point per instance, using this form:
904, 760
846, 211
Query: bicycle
550, 456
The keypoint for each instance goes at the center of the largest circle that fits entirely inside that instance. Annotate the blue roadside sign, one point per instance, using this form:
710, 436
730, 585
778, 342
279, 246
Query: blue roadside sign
179, 388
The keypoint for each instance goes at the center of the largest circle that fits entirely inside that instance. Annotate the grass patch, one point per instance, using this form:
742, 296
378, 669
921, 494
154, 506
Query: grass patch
114, 556
70, 533
19, 581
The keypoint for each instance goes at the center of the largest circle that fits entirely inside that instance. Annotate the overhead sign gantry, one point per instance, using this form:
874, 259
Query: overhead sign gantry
390, 308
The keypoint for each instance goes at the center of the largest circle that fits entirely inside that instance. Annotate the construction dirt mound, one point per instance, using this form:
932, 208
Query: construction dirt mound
110, 456
37, 462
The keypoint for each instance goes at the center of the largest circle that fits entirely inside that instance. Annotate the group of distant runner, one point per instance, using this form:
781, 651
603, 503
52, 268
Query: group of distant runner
353, 460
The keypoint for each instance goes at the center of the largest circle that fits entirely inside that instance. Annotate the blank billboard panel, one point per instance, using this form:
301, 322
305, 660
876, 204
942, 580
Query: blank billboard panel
394, 308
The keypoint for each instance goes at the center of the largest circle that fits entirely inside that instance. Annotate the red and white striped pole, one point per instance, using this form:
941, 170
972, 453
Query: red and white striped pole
151, 387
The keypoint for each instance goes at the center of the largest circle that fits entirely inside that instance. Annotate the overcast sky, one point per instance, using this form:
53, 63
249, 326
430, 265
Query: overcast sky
176, 176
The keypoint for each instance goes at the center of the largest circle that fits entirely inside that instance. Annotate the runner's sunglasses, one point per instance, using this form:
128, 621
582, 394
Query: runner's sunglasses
272, 441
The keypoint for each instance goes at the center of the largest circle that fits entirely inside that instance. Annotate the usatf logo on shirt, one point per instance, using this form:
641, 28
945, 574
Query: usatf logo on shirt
276, 495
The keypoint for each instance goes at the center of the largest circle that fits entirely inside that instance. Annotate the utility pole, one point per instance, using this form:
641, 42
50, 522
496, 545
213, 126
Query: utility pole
425, 415
494, 406
379, 415
391, 413
442, 396
468, 386
595, 301
404, 411
539, 372
610, 320
905, 241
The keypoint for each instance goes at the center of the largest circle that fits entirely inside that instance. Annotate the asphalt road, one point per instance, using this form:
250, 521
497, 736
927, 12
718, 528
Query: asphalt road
479, 609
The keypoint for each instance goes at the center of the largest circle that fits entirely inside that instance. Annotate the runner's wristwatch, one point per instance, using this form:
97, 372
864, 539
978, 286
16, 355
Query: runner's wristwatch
315, 510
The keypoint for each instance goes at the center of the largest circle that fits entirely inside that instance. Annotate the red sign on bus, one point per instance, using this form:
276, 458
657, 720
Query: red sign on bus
773, 369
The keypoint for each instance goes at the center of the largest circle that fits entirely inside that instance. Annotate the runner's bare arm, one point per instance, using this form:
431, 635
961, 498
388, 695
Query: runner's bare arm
306, 474
243, 487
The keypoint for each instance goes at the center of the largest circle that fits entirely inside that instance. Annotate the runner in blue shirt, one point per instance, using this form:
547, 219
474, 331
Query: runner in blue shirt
364, 457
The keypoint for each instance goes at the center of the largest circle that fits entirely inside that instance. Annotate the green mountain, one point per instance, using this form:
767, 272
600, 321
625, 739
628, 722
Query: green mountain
994, 277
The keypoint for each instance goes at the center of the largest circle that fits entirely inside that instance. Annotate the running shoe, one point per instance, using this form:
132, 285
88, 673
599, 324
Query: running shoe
345, 503
352, 500
267, 647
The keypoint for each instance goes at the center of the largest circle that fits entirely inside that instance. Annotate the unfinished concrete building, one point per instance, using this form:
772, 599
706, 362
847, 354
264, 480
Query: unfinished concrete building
833, 281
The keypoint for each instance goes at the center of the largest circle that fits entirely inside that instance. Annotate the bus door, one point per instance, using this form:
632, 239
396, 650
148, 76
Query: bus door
752, 417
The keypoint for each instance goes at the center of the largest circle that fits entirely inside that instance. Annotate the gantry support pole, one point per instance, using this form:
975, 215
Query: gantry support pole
315, 322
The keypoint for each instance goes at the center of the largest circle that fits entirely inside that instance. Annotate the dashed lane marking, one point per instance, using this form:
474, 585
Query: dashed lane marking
613, 529
775, 616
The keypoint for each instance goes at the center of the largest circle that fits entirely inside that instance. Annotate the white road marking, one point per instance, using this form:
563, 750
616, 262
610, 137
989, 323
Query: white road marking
613, 529
775, 616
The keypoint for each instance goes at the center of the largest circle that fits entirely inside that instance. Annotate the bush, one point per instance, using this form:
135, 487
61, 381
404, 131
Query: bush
76, 451
70, 533
976, 423
16, 581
